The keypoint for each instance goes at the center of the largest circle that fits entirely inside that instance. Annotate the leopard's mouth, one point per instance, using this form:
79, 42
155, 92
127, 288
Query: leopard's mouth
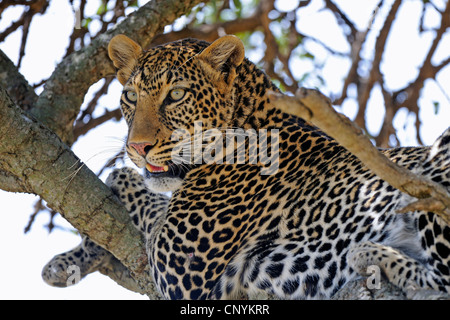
155, 169
170, 170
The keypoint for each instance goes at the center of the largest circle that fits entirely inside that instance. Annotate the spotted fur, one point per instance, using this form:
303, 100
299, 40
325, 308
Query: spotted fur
314, 224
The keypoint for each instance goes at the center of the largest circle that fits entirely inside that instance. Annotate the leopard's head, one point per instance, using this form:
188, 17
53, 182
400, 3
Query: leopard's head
167, 92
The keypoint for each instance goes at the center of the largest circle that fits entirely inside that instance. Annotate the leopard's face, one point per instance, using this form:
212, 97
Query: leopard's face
172, 94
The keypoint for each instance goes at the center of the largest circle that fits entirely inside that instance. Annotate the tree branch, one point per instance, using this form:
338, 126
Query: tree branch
312, 106
408, 97
69, 187
211, 32
11, 183
342, 20
57, 175
427, 70
15, 83
375, 73
356, 42
387, 128
83, 128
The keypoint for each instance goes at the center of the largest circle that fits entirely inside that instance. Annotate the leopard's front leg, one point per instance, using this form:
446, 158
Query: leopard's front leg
187, 254
149, 212
144, 206
69, 268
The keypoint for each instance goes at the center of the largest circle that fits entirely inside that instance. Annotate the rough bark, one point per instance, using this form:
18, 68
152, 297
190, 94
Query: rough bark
15, 83
45, 166
34, 157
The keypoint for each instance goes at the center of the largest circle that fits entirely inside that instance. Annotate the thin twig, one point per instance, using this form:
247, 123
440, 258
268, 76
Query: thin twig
375, 73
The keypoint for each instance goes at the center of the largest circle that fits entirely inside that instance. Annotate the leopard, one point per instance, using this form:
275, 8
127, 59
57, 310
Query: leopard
298, 224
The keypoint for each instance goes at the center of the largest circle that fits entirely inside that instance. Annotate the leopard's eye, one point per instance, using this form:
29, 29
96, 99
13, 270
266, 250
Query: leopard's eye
131, 96
177, 94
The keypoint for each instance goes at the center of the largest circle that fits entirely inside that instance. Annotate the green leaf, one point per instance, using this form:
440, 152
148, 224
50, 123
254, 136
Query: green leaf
238, 5
307, 55
85, 23
279, 85
245, 38
102, 9
304, 77
321, 79
436, 107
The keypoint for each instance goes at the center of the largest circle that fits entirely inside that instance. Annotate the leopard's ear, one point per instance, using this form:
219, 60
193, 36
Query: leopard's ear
124, 53
222, 58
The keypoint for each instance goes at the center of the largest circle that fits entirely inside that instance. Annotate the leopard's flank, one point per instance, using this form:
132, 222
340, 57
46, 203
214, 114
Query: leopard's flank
315, 223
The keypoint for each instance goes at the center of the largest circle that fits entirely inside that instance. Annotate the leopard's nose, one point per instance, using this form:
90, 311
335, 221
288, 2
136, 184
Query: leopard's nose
142, 148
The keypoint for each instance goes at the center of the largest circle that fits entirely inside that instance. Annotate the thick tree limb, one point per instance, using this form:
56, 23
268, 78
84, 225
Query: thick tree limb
69, 187
312, 106
11, 183
15, 83
56, 174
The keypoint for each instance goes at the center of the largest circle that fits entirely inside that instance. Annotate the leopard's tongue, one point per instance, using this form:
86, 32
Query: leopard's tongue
155, 169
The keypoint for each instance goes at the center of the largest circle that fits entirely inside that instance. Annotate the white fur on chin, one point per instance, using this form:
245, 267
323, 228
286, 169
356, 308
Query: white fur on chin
160, 185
